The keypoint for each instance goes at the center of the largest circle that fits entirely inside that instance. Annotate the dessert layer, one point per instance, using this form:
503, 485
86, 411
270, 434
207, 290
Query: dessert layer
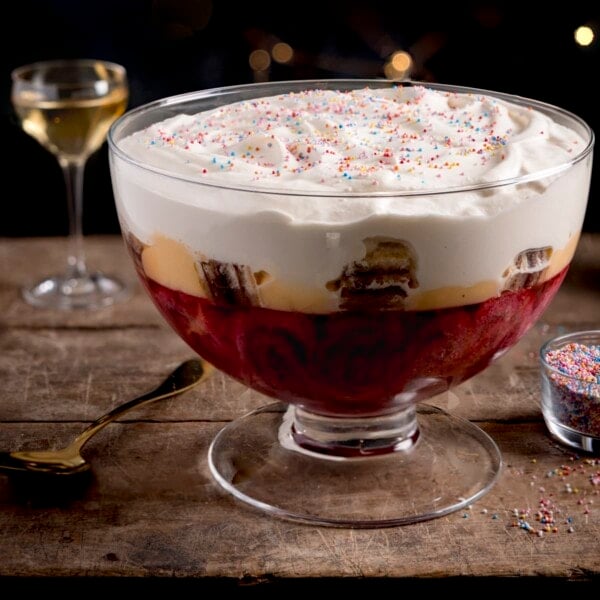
397, 138
353, 363
343, 240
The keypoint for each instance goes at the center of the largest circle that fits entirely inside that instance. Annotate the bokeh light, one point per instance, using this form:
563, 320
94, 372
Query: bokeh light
282, 52
584, 35
398, 66
180, 19
401, 61
259, 60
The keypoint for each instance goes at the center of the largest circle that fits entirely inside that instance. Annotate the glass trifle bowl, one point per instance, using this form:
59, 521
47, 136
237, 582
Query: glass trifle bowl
351, 248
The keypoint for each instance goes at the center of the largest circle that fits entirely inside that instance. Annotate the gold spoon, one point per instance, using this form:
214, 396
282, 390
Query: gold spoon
68, 461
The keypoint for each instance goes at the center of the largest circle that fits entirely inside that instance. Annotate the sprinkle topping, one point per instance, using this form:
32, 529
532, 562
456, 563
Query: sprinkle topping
392, 138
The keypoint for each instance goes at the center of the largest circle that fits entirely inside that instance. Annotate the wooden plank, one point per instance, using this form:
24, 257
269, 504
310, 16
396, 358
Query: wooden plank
77, 375
152, 509
26, 260
76, 371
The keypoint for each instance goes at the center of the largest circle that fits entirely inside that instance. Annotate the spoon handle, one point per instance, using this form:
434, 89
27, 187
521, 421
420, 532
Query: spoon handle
9, 463
186, 376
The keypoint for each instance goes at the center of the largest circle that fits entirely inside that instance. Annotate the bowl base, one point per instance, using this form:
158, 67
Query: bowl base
451, 464
570, 437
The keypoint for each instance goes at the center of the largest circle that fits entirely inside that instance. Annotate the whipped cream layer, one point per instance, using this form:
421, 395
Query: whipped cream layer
401, 138
316, 173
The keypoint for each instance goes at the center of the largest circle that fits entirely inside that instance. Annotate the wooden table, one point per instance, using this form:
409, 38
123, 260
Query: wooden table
152, 509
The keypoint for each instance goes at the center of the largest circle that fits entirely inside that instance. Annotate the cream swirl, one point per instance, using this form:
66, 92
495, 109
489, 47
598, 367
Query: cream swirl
365, 140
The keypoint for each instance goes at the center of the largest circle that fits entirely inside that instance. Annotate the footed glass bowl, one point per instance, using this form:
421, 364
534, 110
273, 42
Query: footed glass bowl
348, 322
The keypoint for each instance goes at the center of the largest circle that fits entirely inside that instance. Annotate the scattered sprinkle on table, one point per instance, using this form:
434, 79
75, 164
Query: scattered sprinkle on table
565, 504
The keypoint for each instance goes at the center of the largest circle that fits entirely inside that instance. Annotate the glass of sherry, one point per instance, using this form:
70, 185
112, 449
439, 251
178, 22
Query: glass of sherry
68, 107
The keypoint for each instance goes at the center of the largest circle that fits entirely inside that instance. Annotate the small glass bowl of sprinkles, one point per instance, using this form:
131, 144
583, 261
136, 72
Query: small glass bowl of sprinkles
571, 389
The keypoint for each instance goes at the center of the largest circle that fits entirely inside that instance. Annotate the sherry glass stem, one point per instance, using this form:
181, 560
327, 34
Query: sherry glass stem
73, 174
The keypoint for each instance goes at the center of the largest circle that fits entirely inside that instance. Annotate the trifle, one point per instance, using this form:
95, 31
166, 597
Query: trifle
351, 248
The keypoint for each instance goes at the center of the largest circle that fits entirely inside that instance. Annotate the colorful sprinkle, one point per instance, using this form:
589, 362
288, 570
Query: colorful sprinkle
571, 387
351, 139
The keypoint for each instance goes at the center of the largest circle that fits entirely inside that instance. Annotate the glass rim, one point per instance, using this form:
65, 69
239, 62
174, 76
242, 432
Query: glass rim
560, 341
346, 83
18, 72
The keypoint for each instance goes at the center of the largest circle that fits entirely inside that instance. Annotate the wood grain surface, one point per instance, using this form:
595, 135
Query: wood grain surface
150, 507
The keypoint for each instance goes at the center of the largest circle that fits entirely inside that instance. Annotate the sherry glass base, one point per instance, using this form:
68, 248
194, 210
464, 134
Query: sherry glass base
414, 465
91, 291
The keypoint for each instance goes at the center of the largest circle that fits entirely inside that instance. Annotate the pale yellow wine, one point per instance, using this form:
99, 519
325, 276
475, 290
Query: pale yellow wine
70, 128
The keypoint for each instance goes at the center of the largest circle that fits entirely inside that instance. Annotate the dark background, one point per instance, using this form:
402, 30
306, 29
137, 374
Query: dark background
174, 46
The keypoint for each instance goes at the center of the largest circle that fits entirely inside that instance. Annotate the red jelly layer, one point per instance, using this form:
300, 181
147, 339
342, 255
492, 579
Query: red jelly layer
353, 362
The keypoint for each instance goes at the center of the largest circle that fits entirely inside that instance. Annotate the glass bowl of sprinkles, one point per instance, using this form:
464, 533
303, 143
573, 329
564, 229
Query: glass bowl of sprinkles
571, 389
